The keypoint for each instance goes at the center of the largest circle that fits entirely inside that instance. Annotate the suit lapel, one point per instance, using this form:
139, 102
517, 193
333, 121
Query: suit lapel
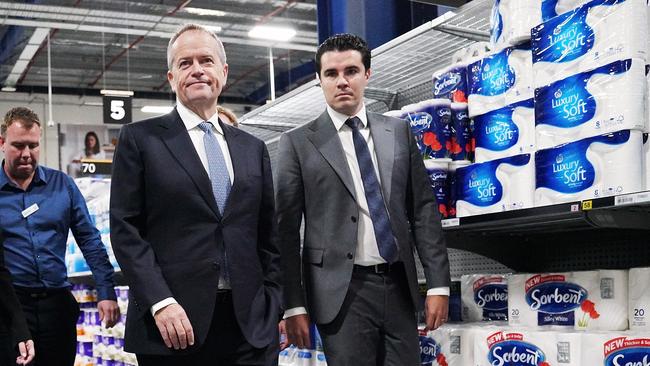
177, 140
383, 137
326, 140
239, 159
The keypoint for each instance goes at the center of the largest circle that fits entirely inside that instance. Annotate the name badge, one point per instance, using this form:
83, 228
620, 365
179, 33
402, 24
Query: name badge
30, 210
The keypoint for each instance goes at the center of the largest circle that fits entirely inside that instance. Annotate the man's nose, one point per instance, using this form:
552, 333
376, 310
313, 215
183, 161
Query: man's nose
197, 68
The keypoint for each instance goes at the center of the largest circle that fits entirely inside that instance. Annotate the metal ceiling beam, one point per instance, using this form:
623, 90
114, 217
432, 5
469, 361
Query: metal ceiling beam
26, 55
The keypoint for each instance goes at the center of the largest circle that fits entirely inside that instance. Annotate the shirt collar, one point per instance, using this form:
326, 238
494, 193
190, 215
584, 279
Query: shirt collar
340, 118
191, 120
39, 176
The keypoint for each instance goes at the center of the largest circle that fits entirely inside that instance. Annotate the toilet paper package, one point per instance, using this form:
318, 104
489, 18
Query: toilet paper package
511, 21
430, 122
639, 299
594, 34
461, 146
452, 184
484, 297
495, 186
606, 99
514, 347
594, 167
451, 83
499, 79
586, 300
437, 172
505, 132
553, 8
431, 347
459, 348
616, 349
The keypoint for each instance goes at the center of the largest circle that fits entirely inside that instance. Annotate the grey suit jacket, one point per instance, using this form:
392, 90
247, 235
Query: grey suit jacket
314, 180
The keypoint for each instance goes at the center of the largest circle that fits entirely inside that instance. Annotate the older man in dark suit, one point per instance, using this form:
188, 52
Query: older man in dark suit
360, 183
192, 223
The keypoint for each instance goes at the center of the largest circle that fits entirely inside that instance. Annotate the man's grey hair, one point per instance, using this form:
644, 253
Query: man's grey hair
221, 52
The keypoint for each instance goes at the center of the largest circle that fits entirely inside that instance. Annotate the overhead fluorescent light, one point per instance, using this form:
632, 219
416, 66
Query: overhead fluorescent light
271, 33
214, 28
8, 89
117, 93
206, 12
157, 109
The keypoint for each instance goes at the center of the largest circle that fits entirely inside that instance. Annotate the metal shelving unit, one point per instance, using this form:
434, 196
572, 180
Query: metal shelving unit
600, 233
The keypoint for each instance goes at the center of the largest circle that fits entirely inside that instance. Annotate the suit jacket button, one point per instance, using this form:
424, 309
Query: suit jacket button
354, 219
350, 256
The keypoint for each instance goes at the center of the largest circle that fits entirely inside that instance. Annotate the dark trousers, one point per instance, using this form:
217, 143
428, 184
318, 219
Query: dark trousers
376, 325
52, 320
225, 344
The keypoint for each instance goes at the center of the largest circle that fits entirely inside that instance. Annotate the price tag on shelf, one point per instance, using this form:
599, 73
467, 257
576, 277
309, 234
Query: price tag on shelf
587, 205
632, 198
450, 222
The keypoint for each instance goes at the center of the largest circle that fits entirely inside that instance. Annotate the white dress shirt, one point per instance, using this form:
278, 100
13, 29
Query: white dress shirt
191, 121
367, 251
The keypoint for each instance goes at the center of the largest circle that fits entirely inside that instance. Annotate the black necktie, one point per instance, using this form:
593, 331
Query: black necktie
376, 207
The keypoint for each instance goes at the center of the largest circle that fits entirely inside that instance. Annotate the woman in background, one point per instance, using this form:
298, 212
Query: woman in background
92, 149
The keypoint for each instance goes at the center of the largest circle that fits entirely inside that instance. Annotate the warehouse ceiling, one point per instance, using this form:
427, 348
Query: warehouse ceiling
104, 44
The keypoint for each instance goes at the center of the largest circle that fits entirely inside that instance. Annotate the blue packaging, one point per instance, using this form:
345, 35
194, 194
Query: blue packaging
437, 172
430, 122
451, 83
461, 133
451, 184
505, 132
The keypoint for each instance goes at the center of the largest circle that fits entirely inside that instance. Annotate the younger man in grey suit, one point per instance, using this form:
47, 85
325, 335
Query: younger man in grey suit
360, 183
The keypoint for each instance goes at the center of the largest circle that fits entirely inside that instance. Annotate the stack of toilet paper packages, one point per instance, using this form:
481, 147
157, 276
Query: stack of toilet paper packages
453, 185
512, 20
430, 122
494, 186
606, 99
586, 300
639, 299
437, 171
462, 144
499, 79
505, 132
594, 34
449, 345
484, 297
594, 167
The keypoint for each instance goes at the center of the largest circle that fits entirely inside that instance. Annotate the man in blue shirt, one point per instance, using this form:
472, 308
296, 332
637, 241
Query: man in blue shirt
38, 206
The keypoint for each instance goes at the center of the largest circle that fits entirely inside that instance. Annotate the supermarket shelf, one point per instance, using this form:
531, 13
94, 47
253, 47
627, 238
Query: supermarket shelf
630, 211
86, 277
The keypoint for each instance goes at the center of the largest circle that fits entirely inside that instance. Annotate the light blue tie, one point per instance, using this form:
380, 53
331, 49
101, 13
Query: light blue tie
220, 179
219, 176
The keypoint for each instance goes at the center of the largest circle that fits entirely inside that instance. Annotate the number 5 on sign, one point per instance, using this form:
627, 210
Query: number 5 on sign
117, 109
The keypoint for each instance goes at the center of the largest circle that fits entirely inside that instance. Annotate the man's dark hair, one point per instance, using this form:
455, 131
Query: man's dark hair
344, 42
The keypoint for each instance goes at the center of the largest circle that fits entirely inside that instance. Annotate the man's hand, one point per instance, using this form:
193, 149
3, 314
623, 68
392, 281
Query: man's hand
282, 329
298, 330
436, 308
109, 312
174, 326
27, 352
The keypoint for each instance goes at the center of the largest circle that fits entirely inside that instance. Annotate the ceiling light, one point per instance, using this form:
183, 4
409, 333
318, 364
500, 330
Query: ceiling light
207, 12
213, 28
116, 93
272, 33
8, 89
158, 109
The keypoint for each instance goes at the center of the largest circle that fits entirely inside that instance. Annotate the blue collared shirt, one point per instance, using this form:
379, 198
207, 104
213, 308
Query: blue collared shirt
35, 245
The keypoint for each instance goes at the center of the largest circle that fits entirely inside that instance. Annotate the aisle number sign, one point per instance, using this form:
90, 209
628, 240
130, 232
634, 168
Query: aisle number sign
117, 109
95, 167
